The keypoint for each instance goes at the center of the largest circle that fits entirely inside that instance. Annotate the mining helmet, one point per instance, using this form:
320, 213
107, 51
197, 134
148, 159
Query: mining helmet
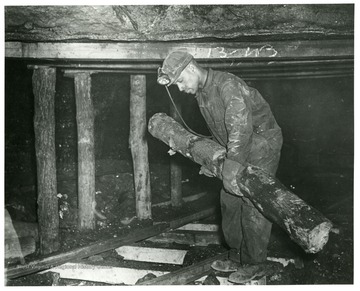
172, 67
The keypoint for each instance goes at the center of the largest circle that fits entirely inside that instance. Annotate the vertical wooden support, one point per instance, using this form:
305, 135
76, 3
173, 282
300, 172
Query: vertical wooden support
175, 169
86, 154
43, 81
138, 146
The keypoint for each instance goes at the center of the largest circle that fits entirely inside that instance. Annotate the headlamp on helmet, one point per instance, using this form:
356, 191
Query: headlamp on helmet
172, 67
163, 79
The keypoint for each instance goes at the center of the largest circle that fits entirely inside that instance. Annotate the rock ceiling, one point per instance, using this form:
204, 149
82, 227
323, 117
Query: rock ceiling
176, 22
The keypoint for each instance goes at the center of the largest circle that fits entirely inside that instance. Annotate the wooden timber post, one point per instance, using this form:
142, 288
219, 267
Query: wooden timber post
43, 81
175, 169
86, 151
304, 224
138, 146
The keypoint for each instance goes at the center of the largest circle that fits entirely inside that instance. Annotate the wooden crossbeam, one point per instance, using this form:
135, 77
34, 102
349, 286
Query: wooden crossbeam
158, 50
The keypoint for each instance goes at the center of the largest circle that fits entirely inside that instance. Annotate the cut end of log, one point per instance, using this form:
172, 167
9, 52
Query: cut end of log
318, 237
154, 118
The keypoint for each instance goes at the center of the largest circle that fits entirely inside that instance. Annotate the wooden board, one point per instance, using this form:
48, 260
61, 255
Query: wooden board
193, 238
200, 227
104, 245
106, 274
84, 252
154, 255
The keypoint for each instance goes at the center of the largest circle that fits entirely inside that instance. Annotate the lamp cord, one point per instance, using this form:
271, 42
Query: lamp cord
182, 120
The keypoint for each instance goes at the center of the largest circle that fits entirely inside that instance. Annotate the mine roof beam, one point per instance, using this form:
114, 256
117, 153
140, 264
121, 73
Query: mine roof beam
152, 51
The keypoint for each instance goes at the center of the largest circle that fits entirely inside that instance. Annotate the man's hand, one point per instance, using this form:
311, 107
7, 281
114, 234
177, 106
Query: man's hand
205, 171
230, 170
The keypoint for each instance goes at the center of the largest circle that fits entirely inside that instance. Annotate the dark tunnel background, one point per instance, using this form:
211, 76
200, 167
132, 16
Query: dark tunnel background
316, 116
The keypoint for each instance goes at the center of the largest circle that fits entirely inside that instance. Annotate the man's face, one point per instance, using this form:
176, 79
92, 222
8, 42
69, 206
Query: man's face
188, 81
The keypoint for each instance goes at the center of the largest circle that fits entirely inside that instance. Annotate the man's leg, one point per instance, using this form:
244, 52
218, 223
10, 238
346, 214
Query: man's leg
245, 229
256, 230
231, 226
231, 211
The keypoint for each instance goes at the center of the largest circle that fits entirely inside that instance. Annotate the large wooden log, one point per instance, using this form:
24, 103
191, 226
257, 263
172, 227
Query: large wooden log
138, 146
305, 225
86, 152
44, 80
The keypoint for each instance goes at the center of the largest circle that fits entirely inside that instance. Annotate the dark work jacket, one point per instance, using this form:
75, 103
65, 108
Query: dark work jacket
239, 118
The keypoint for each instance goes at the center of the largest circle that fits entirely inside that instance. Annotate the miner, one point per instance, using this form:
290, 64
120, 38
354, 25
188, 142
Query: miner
241, 120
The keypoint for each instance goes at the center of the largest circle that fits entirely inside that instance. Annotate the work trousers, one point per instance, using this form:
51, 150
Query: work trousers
245, 229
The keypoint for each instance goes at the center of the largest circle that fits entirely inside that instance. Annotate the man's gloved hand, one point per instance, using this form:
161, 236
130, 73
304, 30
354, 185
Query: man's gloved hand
205, 171
230, 170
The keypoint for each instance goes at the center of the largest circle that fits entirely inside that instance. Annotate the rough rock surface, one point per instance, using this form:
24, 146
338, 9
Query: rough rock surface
176, 22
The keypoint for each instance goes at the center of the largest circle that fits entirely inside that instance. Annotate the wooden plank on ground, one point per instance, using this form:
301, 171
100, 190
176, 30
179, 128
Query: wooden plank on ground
99, 273
200, 227
83, 252
154, 255
104, 245
187, 274
193, 238
174, 237
205, 238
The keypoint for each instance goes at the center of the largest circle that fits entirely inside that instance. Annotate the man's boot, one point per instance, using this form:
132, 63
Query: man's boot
231, 264
225, 265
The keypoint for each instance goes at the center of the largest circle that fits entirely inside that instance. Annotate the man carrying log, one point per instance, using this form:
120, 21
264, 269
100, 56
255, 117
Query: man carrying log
241, 121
